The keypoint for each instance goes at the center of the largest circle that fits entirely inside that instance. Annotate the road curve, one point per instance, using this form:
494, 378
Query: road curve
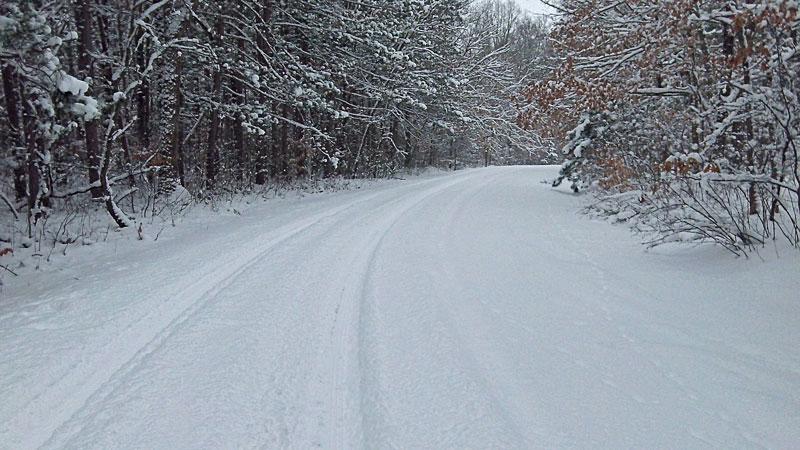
472, 310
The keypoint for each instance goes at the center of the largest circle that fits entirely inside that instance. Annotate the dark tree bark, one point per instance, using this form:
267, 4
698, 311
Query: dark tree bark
238, 130
31, 139
212, 152
176, 136
265, 52
753, 200
241, 154
98, 159
32, 162
283, 153
143, 102
83, 21
113, 210
17, 144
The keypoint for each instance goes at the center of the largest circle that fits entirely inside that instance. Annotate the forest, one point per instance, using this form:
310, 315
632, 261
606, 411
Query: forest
683, 114
680, 117
120, 102
414, 224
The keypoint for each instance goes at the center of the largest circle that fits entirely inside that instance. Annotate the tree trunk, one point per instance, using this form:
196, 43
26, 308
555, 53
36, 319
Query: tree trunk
284, 144
83, 21
143, 102
264, 54
17, 144
98, 166
212, 152
242, 168
119, 217
32, 160
176, 137
752, 196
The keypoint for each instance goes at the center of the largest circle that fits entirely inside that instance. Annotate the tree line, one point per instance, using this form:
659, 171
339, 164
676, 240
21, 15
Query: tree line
682, 114
119, 101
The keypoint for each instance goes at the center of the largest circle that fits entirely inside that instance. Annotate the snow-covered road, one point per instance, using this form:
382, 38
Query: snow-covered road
467, 310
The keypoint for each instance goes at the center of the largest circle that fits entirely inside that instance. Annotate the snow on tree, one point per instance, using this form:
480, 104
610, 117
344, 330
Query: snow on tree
113, 101
704, 100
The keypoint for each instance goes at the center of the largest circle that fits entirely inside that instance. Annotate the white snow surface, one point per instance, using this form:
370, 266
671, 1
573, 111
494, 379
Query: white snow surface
69, 84
469, 310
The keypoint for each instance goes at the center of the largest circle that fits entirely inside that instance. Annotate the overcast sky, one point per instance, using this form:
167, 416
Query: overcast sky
535, 6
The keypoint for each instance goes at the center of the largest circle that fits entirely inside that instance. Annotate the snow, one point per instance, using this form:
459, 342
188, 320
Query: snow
468, 310
69, 84
7, 23
86, 107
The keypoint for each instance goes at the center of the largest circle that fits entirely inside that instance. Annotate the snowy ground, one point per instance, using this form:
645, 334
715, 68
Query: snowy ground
467, 310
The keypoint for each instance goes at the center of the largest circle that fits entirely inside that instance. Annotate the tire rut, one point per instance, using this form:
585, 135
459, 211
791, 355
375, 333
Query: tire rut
109, 381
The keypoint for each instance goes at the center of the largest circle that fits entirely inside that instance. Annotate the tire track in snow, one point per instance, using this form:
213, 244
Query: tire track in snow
83, 385
86, 387
448, 313
373, 418
347, 335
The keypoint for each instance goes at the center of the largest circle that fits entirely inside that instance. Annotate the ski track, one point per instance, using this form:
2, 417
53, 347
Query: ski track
98, 384
348, 312
377, 434
488, 423
89, 378
114, 370
461, 311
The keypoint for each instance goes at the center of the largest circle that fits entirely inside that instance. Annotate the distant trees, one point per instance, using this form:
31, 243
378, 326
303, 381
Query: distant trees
691, 107
130, 99
509, 50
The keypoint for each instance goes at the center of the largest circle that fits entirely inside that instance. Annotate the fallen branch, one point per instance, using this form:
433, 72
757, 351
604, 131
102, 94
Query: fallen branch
111, 181
9, 270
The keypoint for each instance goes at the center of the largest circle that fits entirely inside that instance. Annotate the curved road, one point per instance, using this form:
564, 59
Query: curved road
472, 310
